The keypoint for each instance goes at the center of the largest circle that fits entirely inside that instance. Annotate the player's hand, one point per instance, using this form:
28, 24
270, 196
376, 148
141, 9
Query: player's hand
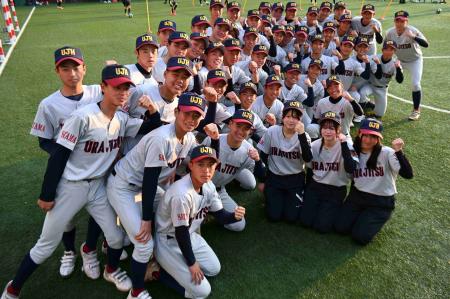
347, 96
324, 84
227, 72
233, 97
148, 104
306, 47
145, 232
196, 273
353, 88
353, 33
255, 76
210, 94
253, 154
337, 41
45, 205
337, 54
284, 23
409, 33
300, 128
365, 58
268, 31
374, 28
110, 62
239, 213
342, 138
297, 47
277, 70
397, 144
261, 187
270, 119
398, 63
212, 131
308, 82
376, 59
290, 57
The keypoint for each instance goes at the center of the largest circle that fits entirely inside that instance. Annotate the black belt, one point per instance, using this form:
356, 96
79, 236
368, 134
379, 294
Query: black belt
88, 180
113, 172
380, 86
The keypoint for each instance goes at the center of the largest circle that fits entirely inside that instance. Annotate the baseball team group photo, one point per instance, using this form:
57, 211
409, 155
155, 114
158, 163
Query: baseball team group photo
225, 149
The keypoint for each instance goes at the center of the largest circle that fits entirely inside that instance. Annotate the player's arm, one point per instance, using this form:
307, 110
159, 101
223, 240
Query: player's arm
356, 107
47, 145
152, 118
379, 72
224, 217
305, 145
399, 162
309, 101
212, 98
365, 74
349, 163
149, 186
419, 38
340, 69
398, 72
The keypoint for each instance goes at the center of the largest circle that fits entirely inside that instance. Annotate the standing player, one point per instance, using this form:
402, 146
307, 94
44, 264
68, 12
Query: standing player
146, 51
127, 8
409, 40
50, 118
86, 147
324, 12
285, 149
367, 26
371, 200
199, 24
173, 7
165, 29
183, 253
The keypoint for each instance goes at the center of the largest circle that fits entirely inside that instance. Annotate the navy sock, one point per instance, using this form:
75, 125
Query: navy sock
113, 258
416, 96
129, 10
26, 268
68, 240
169, 281
93, 234
138, 274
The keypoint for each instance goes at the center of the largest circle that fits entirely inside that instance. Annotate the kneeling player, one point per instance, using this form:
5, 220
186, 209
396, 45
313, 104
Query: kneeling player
180, 250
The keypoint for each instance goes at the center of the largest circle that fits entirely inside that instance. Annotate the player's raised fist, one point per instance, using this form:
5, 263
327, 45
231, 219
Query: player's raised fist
336, 53
253, 154
365, 58
227, 72
398, 64
239, 213
397, 144
347, 96
45, 205
147, 103
210, 94
342, 137
376, 59
374, 28
270, 119
290, 57
268, 31
308, 82
300, 128
212, 131
297, 47
277, 70
233, 97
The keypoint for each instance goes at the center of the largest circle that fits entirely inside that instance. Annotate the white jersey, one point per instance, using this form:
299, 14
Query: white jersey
158, 70
296, 93
244, 65
231, 161
258, 124
290, 48
260, 109
352, 69
94, 140
162, 51
329, 64
313, 30
389, 70
380, 181
328, 165
159, 148
318, 89
138, 78
343, 108
280, 59
261, 40
407, 48
221, 113
366, 31
358, 81
239, 77
328, 51
285, 155
56, 108
183, 206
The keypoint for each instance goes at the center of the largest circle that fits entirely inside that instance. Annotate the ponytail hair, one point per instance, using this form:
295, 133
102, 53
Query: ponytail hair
372, 161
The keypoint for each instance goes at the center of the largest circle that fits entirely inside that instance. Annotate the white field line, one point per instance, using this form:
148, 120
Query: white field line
421, 106
436, 57
10, 50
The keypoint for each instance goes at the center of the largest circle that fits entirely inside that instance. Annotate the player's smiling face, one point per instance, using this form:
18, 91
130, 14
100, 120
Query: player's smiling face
367, 15
202, 171
116, 95
400, 25
197, 48
250, 41
220, 32
219, 87
199, 28
368, 142
216, 12
239, 131
290, 120
344, 26
292, 77
147, 55
335, 90
346, 49
164, 37
71, 73
279, 36
234, 14
314, 71
362, 49
324, 13
328, 34
328, 130
272, 91
177, 81
247, 98
388, 53
187, 121
317, 47
260, 58
231, 56
177, 49
253, 21
214, 59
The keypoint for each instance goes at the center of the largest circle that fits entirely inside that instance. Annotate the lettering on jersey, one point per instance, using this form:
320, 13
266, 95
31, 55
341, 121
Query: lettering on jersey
38, 127
175, 163
227, 168
348, 73
404, 46
69, 136
377, 172
182, 217
275, 151
161, 157
200, 215
368, 36
328, 166
95, 147
324, 71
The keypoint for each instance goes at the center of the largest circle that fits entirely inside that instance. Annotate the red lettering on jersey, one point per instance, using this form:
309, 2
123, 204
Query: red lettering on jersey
69, 137
182, 217
161, 157
39, 127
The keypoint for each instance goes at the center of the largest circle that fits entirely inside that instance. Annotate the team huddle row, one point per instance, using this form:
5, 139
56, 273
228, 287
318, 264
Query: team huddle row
157, 142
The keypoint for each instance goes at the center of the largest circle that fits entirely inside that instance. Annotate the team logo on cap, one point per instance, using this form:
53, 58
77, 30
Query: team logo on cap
295, 66
219, 73
275, 78
146, 38
205, 150
168, 23
203, 18
374, 125
122, 71
235, 42
183, 61
196, 100
329, 25
294, 104
68, 52
329, 114
248, 115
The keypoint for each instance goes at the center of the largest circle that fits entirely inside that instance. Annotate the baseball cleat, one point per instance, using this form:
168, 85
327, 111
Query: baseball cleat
119, 278
91, 265
415, 115
123, 255
67, 264
142, 295
6, 295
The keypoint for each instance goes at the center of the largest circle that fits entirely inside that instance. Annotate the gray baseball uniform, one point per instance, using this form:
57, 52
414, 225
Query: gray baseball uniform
328, 64
367, 31
260, 109
319, 92
137, 77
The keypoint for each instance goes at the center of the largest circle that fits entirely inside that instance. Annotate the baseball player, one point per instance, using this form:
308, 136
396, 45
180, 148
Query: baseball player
234, 14
290, 16
127, 8
311, 81
329, 64
50, 117
378, 86
254, 67
409, 40
249, 42
338, 102
367, 26
344, 27
324, 12
254, 20
267, 106
199, 42
215, 10
213, 60
220, 30
86, 147
264, 8
288, 41
277, 12
279, 32
331, 42
290, 91
311, 21
173, 7
340, 8
216, 84
183, 254
301, 45
165, 28
371, 200
146, 51
200, 24
285, 149
332, 166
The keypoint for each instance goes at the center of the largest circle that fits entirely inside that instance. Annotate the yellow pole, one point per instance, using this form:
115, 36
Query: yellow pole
245, 3
148, 18
386, 10
193, 3
362, 4
300, 4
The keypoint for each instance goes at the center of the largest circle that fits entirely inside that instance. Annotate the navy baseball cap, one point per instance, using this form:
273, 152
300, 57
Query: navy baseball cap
371, 126
264, 5
389, 43
179, 36
260, 49
368, 7
200, 36
290, 29
213, 3
68, 53
340, 4
330, 115
273, 79
362, 40
251, 30
190, 101
278, 5
248, 85
200, 20
279, 28
253, 13
214, 46
178, 63
231, 44
317, 62
329, 25
313, 9
223, 21
203, 152
333, 78
291, 6
326, 5
116, 74
233, 5
267, 19
293, 67
318, 37
401, 15
293, 105
146, 39
302, 30
215, 76
243, 116
167, 25
345, 18
348, 39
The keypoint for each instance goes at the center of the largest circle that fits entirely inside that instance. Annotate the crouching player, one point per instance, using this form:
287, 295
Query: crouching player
183, 254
